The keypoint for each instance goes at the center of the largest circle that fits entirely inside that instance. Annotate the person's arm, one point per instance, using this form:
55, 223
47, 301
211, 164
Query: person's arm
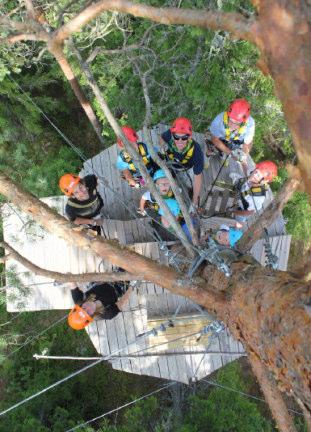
128, 177
197, 184
220, 145
249, 136
242, 212
87, 221
142, 205
123, 301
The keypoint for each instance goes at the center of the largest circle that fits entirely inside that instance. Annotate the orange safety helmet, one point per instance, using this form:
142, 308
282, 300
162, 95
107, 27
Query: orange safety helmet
239, 110
67, 183
182, 125
268, 169
130, 134
78, 318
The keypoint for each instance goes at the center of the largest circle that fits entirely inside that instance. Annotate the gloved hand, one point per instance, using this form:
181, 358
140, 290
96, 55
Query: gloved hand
239, 155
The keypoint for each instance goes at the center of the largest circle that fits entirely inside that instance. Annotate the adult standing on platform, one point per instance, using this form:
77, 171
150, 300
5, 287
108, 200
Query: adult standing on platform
182, 153
233, 129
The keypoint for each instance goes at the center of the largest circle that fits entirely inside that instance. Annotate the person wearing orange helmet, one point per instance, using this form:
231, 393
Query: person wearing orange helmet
84, 202
183, 153
253, 191
125, 163
100, 301
233, 129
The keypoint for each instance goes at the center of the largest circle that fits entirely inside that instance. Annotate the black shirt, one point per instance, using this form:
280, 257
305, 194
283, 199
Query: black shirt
87, 208
107, 293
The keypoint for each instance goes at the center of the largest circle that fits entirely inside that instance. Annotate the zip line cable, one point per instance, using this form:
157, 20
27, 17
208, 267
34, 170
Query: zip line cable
36, 336
79, 371
213, 383
164, 388
121, 407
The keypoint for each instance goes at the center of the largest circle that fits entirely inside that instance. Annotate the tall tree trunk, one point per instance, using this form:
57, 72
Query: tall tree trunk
57, 51
268, 311
272, 396
284, 38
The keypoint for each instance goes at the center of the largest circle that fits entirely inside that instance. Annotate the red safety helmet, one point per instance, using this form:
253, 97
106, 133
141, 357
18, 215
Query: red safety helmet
268, 169
78, 318
130, 134
182, 125
67, 183
239, 110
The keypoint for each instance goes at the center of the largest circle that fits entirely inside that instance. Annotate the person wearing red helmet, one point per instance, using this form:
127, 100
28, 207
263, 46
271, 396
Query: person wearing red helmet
253, 191
182, 153
125, 163
84, 203
234, 128
100, 301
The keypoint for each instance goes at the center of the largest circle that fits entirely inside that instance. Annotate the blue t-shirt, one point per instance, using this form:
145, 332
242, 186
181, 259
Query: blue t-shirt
172, 205
196, 161
234, 236
218, 130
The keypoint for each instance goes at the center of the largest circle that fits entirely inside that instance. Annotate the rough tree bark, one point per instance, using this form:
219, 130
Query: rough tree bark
268, 311
276, 404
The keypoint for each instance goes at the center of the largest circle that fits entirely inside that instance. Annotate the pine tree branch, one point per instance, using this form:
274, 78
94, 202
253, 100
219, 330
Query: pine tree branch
237, 24
67, 277
147, 269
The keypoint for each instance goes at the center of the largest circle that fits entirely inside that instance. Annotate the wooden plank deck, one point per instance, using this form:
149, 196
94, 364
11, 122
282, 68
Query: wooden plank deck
185, 362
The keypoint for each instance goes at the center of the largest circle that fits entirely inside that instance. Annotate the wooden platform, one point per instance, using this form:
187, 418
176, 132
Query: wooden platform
153, 354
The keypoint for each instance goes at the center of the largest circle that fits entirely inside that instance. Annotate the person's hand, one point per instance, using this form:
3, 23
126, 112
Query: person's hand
238, 225
97, 222
71, 285
239, 155
133, 183
142, 212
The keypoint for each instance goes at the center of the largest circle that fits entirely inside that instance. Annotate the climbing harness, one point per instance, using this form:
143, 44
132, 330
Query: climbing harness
172, 154
233, 135
143, 152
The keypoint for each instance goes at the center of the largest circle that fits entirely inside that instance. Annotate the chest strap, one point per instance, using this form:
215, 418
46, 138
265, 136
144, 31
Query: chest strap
228, 132
142, 151
187, 153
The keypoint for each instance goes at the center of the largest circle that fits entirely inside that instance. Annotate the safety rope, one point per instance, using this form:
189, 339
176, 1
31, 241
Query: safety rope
213, 383
121, 407
36, 336
79, 371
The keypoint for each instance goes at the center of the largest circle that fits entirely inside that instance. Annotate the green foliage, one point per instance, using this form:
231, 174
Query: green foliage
298, 213
222, 411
